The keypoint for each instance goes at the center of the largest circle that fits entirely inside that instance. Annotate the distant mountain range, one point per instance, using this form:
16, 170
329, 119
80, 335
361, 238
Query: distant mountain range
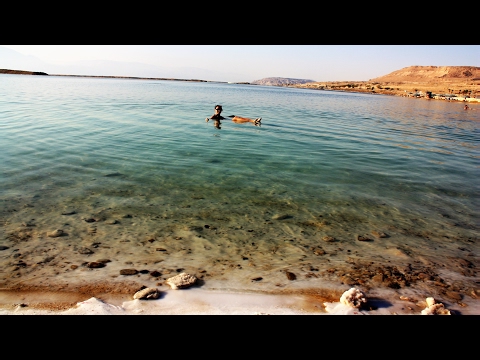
280, 81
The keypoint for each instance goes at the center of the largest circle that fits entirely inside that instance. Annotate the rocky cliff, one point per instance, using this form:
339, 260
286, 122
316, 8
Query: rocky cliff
454, 80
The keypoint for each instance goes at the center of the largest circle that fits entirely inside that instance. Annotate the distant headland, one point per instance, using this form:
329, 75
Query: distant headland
21, 72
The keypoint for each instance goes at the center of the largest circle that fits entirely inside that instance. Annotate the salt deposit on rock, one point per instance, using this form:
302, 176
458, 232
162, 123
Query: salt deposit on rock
353, 298
434, 308
147, 293
182, 280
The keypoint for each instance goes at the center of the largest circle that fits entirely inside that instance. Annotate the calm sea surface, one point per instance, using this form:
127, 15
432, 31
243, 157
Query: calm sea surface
131, 172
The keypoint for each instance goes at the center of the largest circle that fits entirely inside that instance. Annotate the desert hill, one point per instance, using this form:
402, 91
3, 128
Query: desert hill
431, 73
279, 81
457, 80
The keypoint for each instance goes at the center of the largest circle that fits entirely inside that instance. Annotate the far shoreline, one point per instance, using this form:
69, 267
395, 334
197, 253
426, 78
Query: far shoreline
382, 89
24, 72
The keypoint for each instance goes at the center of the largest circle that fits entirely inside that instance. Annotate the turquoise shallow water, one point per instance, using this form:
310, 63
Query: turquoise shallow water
239, 202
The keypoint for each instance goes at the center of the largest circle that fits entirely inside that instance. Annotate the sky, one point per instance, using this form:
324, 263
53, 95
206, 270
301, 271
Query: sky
236, 63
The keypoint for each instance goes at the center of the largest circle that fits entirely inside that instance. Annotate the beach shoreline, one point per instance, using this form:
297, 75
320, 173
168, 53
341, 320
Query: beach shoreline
118, 299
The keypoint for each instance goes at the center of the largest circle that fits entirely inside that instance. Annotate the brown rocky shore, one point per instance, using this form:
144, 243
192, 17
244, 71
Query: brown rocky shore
457, 82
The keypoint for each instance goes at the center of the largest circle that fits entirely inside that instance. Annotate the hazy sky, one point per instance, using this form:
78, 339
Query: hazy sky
252, 62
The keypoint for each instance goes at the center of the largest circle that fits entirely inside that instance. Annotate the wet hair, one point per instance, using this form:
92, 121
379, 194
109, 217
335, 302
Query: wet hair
218, 106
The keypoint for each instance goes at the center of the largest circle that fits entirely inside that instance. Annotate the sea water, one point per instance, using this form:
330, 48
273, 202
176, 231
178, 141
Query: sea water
130, 171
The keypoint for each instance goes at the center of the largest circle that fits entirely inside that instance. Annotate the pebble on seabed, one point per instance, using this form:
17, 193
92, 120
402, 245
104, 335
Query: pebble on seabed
128, 272
94, 264
55, 233
328, 238
363, 238
290, 275
379, 234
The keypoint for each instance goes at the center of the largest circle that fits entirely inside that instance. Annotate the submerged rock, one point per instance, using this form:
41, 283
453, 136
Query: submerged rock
128, 272
281, 217
85, 251
55, 233
95, 264
104, 261
363, 238
379, 234
290, 275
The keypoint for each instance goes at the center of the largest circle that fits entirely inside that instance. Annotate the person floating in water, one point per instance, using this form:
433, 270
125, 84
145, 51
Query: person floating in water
238, 119
466, 107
